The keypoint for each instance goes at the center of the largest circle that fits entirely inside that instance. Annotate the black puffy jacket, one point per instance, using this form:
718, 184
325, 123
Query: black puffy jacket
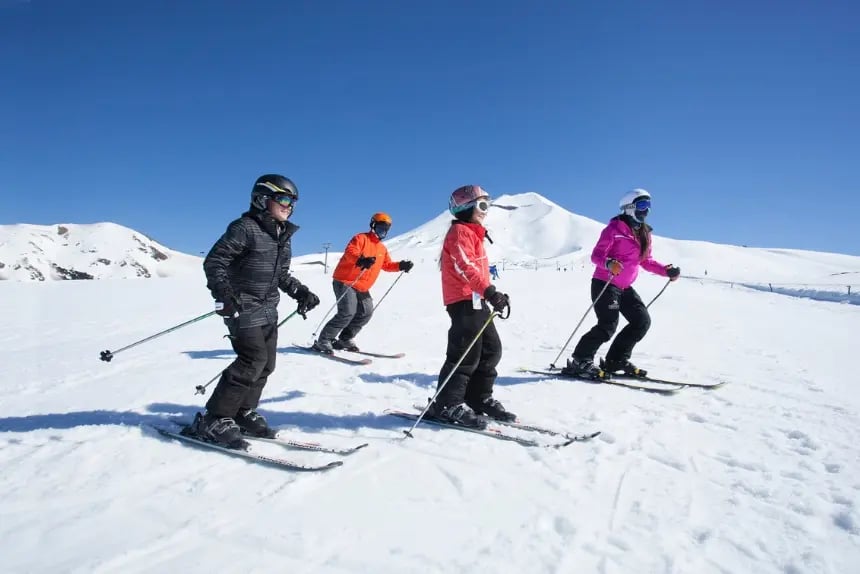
250, 262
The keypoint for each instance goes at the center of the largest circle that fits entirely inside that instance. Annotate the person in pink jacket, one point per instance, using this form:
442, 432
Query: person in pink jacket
623, 247
467, 294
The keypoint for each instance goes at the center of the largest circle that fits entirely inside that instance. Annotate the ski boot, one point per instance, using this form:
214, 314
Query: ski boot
584, 369
623, 366
323, 346
345, 345
222, 431
492, 408
459, 415
253, 423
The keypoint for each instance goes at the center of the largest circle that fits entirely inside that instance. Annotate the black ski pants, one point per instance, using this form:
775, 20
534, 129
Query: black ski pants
473, 380
242, 383
611, 303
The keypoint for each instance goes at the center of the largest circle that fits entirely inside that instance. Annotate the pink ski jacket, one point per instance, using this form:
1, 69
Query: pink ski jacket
464, 263
618, 241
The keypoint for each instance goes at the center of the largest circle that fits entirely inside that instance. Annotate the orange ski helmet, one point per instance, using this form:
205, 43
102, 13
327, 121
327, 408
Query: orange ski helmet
380, 223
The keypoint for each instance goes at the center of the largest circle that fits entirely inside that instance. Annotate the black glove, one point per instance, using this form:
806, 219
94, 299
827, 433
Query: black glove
365, 262
673, 272
306, 300
405, 265
227, 307
497, 299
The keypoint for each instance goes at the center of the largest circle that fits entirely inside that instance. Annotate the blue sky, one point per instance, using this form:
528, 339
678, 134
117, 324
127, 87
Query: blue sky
741, 118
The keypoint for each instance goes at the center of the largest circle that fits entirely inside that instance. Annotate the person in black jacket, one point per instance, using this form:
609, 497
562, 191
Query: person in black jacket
244, 270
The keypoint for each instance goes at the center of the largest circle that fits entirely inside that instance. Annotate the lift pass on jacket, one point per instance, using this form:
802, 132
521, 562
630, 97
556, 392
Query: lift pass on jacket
476, 301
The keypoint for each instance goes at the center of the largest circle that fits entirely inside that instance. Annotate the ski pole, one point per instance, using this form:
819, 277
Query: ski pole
387, 291
108, 355
288, 317
560, 353
342, 295
658, 294
489, 320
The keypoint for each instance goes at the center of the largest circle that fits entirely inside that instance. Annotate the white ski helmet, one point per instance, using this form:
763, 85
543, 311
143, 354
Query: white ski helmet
629, 201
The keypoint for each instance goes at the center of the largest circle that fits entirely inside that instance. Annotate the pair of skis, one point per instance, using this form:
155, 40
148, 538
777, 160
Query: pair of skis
636, 382
247, 451
495, 429
347, 360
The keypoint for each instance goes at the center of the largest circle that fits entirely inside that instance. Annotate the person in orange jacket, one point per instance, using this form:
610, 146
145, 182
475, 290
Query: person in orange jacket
356, 272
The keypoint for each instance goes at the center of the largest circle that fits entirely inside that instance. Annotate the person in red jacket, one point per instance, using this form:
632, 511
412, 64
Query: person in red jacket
466, 290
356, 272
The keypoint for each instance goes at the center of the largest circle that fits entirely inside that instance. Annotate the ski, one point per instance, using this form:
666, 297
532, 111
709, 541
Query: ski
302, 445
378, 355
489, 431
669, 382
528, 427
669, 389
332, 357
281, 440
645, 377
249, 454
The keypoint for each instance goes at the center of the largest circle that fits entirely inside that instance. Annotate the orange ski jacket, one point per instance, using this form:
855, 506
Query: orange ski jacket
363, 245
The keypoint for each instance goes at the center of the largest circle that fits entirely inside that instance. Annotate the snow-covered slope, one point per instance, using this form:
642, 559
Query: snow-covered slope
86, 251
759, 476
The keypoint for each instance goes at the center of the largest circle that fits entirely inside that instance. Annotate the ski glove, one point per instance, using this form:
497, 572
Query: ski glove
365, 262
306, 301
405, 266
614, 266
673, 272
496, 298
228, 308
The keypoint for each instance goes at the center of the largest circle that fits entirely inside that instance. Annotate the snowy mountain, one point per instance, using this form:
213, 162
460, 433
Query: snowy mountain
530, 231
89, 251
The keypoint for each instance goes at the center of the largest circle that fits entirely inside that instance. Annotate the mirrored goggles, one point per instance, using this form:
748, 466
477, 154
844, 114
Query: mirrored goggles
283, 200
381, 228
642, 204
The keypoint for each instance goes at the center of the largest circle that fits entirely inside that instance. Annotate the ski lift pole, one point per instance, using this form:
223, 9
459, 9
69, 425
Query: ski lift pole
108, 355
584, 315
489, 320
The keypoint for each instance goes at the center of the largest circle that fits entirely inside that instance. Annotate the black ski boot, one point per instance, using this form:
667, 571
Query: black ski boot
622, 366
492, 408
253, 423
584, 369
222, 431
459, 415
345, 345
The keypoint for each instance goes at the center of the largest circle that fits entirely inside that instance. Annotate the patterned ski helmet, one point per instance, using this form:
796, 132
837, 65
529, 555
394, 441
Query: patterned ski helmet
464, 198
270, 185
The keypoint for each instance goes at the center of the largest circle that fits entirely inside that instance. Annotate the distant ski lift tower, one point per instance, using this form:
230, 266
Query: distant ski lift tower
325, 261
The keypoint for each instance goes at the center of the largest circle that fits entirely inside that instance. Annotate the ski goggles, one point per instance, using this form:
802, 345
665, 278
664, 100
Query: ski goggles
283, 200
641, 204
482, 204
381, 228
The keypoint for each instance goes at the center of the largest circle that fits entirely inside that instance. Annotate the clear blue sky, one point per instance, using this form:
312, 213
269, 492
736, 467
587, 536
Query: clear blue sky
741, 117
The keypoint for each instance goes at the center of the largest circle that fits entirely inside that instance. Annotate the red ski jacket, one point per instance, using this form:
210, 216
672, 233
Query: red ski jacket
464, 263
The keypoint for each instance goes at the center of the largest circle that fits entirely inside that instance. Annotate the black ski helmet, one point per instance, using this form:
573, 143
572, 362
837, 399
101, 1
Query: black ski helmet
270, 185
